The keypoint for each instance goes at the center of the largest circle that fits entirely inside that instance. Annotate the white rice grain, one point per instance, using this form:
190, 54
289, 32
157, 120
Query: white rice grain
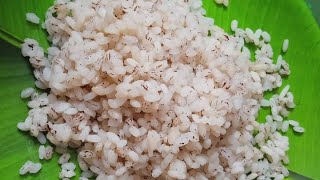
285, 45
68, 166
27, 92
35, 168
234, 25
293, 123
64, 158
298, 129
33, 18
266, 36
41, 138
25, 168
30, 167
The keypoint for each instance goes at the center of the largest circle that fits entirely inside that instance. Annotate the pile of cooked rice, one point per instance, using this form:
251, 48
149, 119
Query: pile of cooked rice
153, 89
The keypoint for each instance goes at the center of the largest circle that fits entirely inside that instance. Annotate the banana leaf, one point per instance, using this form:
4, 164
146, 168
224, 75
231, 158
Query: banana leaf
282, 19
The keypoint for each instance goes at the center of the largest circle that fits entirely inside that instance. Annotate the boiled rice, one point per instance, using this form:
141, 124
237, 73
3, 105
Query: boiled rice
298, 129
285, 45
224, 2
153, 89
33, 18
266, 36
64, 158
30, 167
27, 92
45, 152
234, 25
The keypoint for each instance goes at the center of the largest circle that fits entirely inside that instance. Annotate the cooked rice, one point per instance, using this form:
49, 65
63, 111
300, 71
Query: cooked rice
223, 2
298, 129
30, 167
142, 90
285, 45
32, 17
27, 92
64, 158
234, 25
266, 36
42, 138
45, 152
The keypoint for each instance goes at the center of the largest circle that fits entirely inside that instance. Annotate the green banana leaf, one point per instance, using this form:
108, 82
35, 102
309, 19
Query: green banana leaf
282, 18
